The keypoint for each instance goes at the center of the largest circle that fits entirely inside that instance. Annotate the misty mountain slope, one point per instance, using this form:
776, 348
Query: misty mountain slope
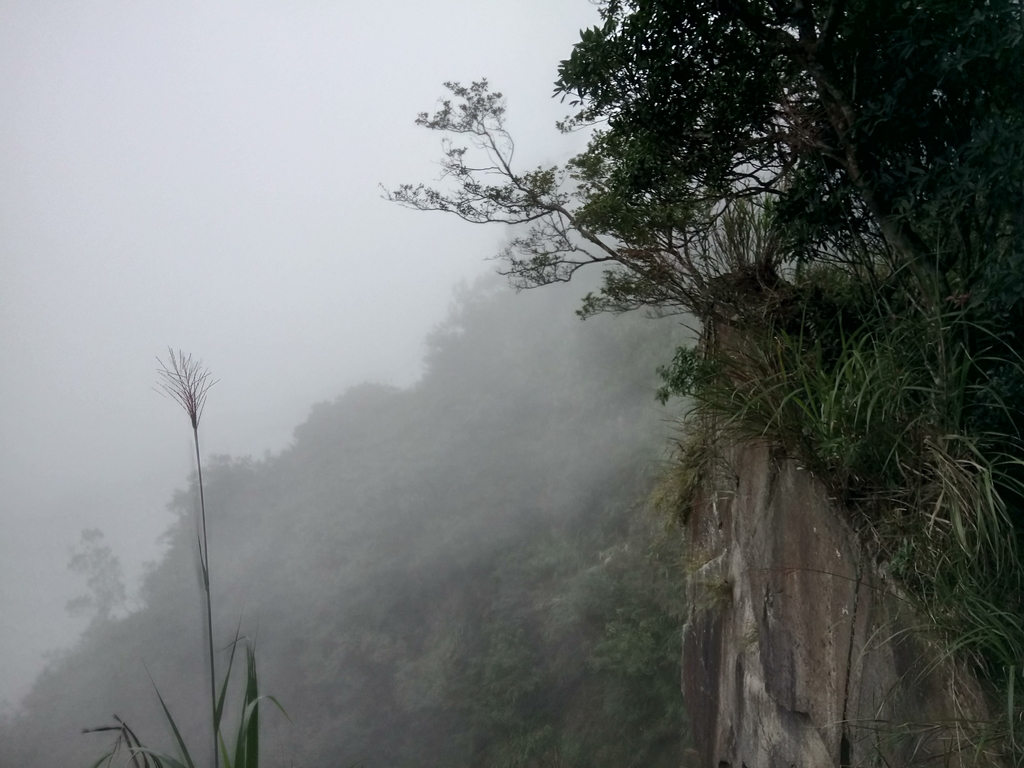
454, 574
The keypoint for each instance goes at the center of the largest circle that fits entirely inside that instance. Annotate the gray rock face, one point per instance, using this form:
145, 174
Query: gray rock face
796, 651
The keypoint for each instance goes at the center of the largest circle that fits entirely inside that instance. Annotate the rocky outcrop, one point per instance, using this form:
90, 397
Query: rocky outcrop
797, 652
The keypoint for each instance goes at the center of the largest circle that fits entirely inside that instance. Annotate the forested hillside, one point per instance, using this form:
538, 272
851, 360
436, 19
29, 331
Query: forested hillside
459, 573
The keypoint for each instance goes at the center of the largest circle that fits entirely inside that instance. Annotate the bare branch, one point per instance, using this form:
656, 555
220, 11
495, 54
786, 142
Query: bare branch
661, 253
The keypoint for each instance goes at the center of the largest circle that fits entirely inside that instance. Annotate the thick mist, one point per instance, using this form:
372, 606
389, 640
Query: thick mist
459, 572
204, 175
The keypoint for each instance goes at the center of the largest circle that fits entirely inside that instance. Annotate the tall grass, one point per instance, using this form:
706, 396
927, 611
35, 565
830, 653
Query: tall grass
187, 382
245, 750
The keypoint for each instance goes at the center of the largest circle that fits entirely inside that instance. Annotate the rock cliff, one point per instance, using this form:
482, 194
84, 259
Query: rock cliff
798, 651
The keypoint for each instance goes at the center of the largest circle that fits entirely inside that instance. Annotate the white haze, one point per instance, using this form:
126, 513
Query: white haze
203, 174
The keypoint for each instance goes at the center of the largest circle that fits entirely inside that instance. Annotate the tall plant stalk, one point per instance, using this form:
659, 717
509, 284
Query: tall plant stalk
187, 382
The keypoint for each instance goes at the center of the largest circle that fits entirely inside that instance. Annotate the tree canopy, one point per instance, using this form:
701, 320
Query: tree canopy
886, 137
899, 122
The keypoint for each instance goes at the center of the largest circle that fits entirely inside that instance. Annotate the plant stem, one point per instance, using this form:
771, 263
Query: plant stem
204, 559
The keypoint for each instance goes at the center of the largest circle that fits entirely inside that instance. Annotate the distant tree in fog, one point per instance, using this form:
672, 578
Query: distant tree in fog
103, 576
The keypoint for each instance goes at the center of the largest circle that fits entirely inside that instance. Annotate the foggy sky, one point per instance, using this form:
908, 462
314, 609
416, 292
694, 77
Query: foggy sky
203, 174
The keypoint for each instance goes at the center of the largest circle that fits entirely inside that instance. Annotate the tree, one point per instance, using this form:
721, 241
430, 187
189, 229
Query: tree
102, 570
900, 122
883, 137
668, 257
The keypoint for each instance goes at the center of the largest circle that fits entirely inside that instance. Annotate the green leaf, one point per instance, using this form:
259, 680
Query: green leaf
182, 748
